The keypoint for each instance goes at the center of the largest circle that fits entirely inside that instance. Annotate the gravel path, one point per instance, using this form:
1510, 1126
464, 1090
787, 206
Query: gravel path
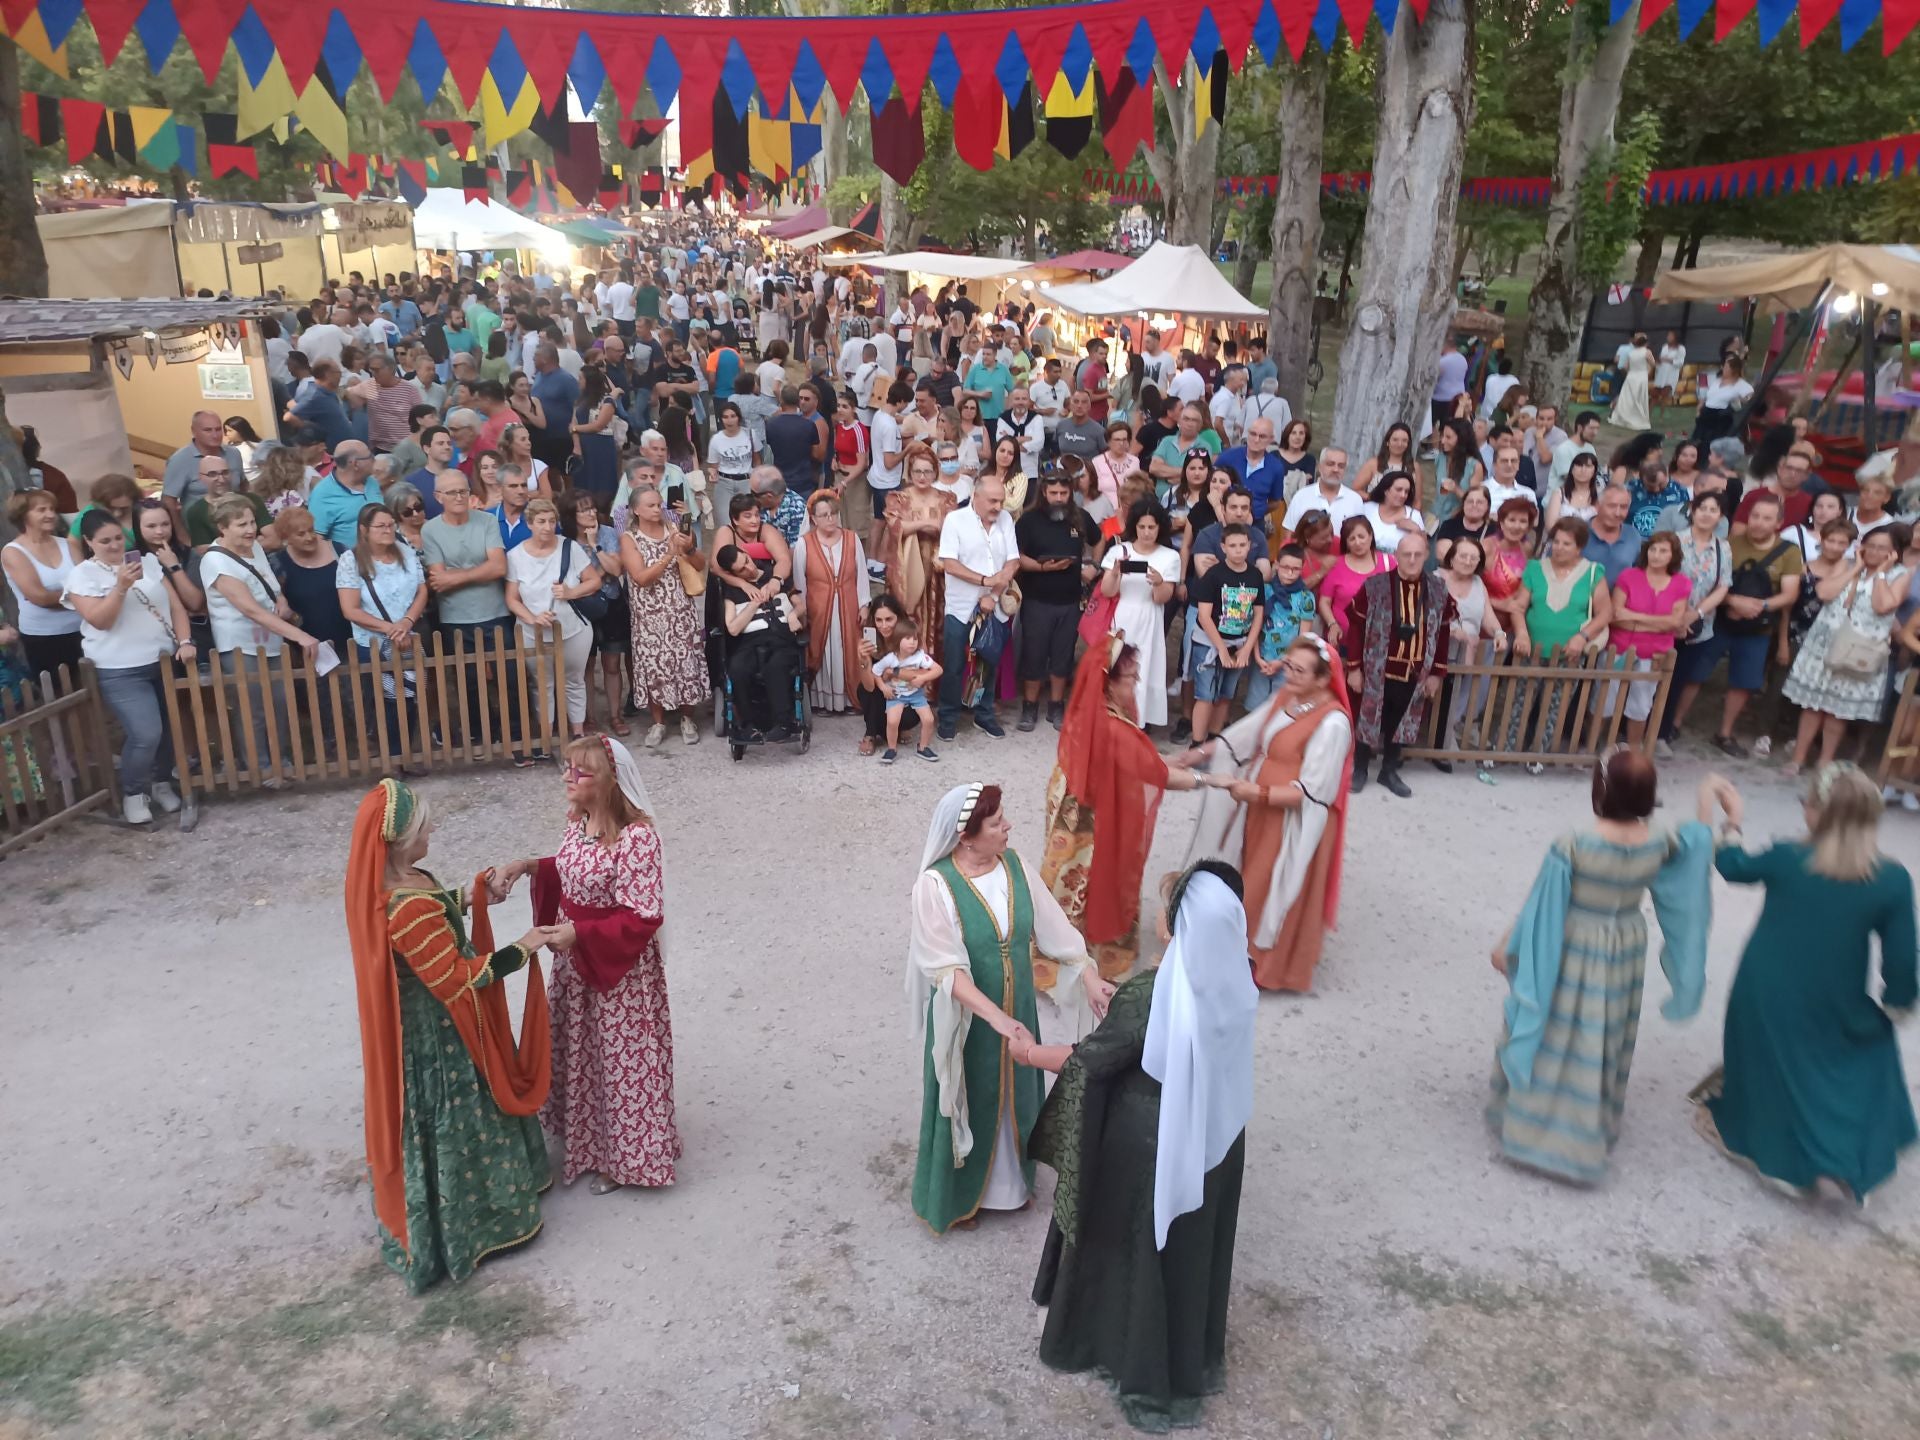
182, 1093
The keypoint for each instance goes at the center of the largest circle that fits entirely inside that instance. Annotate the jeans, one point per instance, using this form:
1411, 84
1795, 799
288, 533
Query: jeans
370, 684
873, 709
725, 487
254, 670
483, 637
953, 676
134, 696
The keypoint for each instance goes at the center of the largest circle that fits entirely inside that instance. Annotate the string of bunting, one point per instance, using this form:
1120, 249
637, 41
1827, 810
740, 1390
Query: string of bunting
977, 62
1824, 169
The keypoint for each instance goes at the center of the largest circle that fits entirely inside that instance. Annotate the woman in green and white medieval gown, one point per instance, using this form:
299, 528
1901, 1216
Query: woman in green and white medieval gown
979, 914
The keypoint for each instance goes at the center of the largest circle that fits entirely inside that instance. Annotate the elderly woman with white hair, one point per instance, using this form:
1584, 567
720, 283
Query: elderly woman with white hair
679, 490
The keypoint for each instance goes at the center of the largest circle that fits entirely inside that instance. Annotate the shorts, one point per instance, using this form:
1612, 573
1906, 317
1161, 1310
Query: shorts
914, 699
1746, 657
1212, 681
1048, 634
613, 631
1260, 686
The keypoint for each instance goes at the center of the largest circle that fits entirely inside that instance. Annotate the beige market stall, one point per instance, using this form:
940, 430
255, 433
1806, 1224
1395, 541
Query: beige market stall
109, 385
110, 250
251, 249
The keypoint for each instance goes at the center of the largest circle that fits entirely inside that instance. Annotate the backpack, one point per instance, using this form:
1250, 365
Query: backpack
1754, 579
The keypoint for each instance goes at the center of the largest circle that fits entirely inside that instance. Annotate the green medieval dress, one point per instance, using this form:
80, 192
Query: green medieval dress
1153, 1322
947, 1190
473, 1173
1812, 1085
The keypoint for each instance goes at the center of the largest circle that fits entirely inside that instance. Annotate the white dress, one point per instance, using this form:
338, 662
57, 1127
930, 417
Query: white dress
936, 953
1143, 621
1666, 375
1221, 833
1386, 535
1631, 409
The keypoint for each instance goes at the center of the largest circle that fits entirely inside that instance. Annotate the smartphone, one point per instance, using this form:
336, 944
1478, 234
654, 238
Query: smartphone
1135, 567
871, 636
686, 523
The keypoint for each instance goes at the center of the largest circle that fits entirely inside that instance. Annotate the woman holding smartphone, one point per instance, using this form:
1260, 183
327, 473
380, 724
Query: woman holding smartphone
1141, 573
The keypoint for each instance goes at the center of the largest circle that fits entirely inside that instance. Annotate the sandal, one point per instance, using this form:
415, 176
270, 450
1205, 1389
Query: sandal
618, 726
603, 1186
866, 744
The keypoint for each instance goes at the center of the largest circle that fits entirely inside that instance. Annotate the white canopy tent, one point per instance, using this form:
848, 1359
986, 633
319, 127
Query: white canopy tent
1168, 280
936, 263
447, 220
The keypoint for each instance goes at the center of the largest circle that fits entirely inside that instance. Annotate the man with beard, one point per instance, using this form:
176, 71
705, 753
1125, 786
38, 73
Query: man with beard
1055, 537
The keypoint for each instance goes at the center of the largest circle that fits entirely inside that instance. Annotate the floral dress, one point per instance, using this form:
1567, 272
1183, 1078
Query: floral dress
1814, 685
669, 661
611, 1106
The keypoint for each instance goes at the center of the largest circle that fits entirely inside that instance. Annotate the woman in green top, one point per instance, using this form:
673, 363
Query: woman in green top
497, 364
981, 917
1810, 1086
1564, 608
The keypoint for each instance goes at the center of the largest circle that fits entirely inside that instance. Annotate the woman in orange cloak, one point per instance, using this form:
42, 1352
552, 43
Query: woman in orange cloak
1278, 810
1102, 801
456, 1154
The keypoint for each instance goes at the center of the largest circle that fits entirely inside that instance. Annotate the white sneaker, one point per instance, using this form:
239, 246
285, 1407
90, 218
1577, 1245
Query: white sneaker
135, 808
163, 796
655, 734
1909, 800
1763, 747
689, 731
1663, 749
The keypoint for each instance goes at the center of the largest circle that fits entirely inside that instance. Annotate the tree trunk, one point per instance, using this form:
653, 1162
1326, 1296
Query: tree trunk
833, 157
1295, 243
1185, 169
23, 264
896, 227
1597, 55
1246, 265
1405, 296
1647, 264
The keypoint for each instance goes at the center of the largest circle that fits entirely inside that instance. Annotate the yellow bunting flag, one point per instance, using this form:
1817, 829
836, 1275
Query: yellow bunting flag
263, 104
324, 118
501, 120
31, 37
147, 120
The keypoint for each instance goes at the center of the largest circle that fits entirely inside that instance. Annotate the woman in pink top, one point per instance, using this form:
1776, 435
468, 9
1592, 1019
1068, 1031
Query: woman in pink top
1649, 614
1358, 562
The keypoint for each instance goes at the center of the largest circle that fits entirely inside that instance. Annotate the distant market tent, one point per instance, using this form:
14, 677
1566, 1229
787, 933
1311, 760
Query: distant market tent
1887, 274
447, 220
1168, 280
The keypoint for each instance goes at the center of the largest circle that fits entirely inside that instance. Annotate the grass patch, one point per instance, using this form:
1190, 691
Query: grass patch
1768, 1329
1905, 1364
1672, 1278
44, 1359
1409, 1277
292, 1356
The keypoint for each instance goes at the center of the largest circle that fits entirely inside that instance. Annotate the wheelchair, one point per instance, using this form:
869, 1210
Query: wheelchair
757, 709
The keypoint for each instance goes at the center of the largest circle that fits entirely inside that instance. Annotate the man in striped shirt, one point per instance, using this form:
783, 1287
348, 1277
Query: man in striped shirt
389, 398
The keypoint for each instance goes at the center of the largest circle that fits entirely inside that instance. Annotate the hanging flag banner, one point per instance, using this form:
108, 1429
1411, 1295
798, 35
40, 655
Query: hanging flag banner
1837, 165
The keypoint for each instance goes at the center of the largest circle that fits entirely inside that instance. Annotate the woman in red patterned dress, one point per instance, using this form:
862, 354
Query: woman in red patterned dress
611, 1106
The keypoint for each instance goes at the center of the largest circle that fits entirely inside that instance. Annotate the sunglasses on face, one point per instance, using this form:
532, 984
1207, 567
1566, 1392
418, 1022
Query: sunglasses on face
414, 510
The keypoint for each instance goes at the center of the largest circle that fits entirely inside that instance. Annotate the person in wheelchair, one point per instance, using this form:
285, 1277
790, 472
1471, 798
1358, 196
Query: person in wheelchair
764, 654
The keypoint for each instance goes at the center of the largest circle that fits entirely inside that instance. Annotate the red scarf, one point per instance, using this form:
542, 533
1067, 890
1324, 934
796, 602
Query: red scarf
1113, 768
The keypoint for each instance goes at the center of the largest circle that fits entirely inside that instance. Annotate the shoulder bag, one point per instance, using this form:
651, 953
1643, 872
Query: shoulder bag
1693, 630
587, 607
1853, 654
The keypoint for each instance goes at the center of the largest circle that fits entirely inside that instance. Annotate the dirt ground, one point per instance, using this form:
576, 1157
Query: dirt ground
186, 1247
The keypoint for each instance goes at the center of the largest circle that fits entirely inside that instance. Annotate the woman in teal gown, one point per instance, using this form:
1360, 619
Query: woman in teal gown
1811, 1085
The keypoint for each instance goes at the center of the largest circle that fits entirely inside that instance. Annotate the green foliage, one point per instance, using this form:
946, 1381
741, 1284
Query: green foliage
1610, 202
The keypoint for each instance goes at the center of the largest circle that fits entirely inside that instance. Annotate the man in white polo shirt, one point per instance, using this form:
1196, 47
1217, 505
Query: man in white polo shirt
884, 469
1328, 492
979, 554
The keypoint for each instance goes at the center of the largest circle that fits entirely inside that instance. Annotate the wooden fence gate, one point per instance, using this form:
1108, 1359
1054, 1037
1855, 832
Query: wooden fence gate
55, 762
1558, 710
269, 721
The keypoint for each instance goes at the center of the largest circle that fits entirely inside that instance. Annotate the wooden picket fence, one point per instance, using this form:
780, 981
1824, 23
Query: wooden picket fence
338, 726
1900, 761
1556, 710
55, 762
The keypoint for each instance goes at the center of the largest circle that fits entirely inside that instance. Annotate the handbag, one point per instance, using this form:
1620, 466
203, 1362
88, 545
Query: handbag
1852, 653
587, 607
1096, 622
1693, 630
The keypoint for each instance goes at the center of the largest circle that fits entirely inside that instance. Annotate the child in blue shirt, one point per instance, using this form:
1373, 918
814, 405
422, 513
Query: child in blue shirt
1291, 608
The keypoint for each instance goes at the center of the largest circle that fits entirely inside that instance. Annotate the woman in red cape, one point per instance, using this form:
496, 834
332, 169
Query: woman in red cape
603, 891
1102, 801
1277, 808
457, 1159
